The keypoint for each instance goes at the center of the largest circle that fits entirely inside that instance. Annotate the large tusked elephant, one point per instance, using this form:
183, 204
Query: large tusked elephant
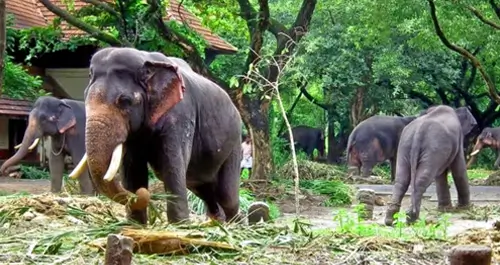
373, 141
146, 108
307, 139
63, 120
489, 137
429, 147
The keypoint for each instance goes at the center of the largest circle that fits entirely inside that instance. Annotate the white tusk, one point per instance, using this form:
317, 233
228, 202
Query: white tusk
474, 153
78, 170
115, 163
33, 145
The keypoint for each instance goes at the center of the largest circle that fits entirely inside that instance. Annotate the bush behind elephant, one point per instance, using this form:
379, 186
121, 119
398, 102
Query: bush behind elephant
63, 120
429, 147
373, 141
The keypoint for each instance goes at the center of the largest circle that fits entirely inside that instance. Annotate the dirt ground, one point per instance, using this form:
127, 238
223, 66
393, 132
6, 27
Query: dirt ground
310, 206
35, 186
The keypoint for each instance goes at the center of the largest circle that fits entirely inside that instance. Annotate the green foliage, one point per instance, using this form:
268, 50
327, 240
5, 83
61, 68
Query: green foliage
29, 172
339, 193
19, 84
349, 224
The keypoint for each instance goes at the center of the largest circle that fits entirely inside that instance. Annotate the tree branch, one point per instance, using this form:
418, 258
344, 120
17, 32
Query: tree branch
91, 30
104, 6
417, 95
495, 8
482, 18
302, 87
463, 52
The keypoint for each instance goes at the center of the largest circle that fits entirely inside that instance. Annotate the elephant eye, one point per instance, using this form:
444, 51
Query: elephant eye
124, 101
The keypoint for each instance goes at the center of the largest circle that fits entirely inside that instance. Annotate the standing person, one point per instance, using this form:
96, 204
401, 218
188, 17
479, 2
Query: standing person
246, 161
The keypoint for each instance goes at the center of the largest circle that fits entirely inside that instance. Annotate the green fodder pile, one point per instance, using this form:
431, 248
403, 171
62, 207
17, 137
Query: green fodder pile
309, 170
50, 229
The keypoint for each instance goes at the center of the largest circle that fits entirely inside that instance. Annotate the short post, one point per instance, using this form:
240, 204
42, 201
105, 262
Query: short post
366, 197
258, 211
470, 254
119, 250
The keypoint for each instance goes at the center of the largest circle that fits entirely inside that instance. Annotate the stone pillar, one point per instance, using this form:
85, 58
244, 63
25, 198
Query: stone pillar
366, 197
470, 254
119, 250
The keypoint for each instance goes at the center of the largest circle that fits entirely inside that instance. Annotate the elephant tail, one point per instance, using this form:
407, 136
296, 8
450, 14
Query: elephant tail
414, 156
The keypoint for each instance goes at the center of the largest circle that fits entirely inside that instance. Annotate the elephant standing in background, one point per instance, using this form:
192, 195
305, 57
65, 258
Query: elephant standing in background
489, 137
307, 139
64, 121
429, 147
373, 141
146, 108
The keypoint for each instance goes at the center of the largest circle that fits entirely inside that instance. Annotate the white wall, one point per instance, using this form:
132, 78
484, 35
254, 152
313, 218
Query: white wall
72, 80
4, 132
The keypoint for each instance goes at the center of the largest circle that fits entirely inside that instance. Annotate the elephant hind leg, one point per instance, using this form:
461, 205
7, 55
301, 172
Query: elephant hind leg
401, 185
443, 192
459, 174
423, 179
228, 186
206, 192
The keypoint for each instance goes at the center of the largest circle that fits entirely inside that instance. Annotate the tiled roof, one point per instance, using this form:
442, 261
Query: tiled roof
32, 13
15, 107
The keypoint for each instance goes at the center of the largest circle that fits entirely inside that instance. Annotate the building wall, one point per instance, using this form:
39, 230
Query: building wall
72, 80
4, 133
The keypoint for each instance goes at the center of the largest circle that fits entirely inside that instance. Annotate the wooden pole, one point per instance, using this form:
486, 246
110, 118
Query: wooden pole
470, 254
119, 250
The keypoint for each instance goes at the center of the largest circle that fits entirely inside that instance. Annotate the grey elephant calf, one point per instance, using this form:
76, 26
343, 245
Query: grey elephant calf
429, 147
64, 121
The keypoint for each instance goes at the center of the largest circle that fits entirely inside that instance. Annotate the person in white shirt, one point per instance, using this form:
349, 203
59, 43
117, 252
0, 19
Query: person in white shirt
246, 161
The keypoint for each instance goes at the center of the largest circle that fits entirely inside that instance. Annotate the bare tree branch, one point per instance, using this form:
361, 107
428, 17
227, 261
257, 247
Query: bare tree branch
463, 52
482, 18
91, 30
303, 89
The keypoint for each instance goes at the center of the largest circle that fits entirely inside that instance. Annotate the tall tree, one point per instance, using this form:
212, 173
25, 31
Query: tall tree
3, 41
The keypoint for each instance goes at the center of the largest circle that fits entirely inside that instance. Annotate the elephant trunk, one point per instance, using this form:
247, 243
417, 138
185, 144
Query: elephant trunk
106, 131
31, 137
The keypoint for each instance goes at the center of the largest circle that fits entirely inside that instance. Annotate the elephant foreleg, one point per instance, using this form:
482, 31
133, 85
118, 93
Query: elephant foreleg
459, 174
497, 162
56, 168
443, 192
135, 176
402, 182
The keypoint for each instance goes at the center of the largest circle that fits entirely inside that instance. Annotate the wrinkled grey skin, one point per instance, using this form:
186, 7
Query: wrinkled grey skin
64, 121
489, 137
307, 139
373, 141
194, 144
429, 147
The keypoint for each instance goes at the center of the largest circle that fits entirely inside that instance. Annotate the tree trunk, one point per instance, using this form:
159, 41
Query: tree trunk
3, 40
336, 143
255, 116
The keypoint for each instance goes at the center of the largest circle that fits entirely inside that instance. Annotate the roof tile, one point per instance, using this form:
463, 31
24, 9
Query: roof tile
32, 13
15, 107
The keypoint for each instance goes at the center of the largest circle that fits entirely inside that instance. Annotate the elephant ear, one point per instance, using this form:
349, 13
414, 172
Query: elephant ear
66, 118
165, 87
